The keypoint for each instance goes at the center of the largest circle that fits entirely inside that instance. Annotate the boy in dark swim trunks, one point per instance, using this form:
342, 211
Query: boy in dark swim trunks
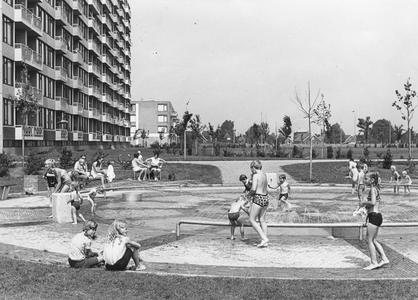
246, 182
234, 213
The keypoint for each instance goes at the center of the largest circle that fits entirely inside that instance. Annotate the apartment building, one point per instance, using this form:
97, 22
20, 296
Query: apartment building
153, 117
78, 57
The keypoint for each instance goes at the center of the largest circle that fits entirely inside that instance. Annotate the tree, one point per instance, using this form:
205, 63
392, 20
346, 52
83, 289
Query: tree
214, 134
306, 106
265, 130
398, 131
406, 102
257, 131
364, 125
322, 115
337, 134
286, 129
381, 130
185, 122
227, 127
25, 103
144, 136
197, 128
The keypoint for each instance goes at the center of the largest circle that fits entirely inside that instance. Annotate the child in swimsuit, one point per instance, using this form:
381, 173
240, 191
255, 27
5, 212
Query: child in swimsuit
395, 179
406, 182
361, 187
76, 200
246, 182
284, 191
234, 214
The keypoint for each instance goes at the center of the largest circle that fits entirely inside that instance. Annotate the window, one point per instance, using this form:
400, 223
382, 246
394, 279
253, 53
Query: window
162, 118
10, 2
162, 107
7, 71
7, 112
162, 129
7, 31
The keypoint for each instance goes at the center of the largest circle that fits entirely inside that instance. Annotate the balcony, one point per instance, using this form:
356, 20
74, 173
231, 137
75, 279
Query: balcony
114, 18
107, 137
106, 59
116, 138
107, 41
120, 12
77, 31
106, 117
27, 56
80, 108
95, 69
120, 59
78, 83
120, 91
126, 52
120, 44
95, 5
94, 46
94, 91
120, 75
128, 139
61, 135
127, 24
77, 6
76, 135
76, 57
114, 103
121, 106
106, 78
61, 16
126, 123
61, 74
32, 133
122, 138
107, 4
24, 18
37, 93
61, 103
94, 113
126, 9
61, 44
92, 23
94, 136
73, 108
127, 81
127, 96
106, 98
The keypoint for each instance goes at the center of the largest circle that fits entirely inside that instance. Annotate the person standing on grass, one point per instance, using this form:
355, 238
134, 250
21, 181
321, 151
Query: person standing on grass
80, 254
119, 248
260, 202
374, 221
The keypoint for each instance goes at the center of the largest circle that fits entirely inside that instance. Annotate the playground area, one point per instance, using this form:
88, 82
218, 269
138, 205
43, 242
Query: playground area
27, 233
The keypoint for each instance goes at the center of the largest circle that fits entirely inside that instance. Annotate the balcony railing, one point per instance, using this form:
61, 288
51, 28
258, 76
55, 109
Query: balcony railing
61, 73
106, 98
80, 108
77, 6
28, 56
24, 15
63, 102
94, 90
94, 46
107, 137
93, 23
95, 5
60, 14
61, 134
95, 69
77, 135
61, 44
30, 132
33, 90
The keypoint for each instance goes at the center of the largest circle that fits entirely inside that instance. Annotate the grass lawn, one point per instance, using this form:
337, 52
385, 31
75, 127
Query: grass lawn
24, 280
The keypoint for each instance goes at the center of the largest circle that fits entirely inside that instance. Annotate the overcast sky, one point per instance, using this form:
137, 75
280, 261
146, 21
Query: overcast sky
243, 60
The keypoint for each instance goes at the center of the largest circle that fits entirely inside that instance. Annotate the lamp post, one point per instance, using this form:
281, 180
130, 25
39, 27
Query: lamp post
341, 134
354, 127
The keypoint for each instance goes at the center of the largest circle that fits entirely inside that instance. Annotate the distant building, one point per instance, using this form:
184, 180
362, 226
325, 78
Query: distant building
300, 136
153, 117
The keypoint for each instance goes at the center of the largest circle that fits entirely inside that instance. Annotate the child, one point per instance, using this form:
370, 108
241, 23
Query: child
406, 182
110, 173
91, 197
361, 187
246, 182
234, 213
52, 183
354, 177
76, 200
119, 248
80, 254
395, 177
284, 191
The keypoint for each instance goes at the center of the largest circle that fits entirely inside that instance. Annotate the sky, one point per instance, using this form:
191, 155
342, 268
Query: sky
245, 60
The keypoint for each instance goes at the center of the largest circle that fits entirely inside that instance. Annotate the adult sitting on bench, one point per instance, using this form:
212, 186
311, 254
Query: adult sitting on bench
156, 164
139, 167
80, 168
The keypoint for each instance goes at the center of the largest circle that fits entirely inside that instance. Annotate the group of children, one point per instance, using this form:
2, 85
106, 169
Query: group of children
243, 202
117, 252
60, 181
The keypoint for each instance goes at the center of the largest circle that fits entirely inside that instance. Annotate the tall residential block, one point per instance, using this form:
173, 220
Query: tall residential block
78, 57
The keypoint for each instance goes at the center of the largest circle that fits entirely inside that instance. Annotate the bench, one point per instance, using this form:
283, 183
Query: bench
4, 190
334, 226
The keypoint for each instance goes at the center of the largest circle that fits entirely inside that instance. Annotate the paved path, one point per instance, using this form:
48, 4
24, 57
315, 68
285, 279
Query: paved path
26, 233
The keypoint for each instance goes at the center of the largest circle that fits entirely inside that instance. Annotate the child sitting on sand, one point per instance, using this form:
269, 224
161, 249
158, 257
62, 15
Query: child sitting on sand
80, 254
234, 214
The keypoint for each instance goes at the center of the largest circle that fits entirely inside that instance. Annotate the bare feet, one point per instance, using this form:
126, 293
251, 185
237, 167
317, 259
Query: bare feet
263, 244
231, 238
384, 262
74, 223
371, 267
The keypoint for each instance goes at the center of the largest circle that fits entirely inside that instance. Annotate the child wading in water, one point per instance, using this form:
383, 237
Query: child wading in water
284, 191
119, 248
91, 197
80, 254
406, 182
234, 214
246, 182
76, 200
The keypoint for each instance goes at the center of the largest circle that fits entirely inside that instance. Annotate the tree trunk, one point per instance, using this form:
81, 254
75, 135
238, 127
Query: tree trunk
184, 153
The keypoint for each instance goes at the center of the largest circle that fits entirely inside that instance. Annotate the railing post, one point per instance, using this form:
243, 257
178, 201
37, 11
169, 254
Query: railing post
177, 231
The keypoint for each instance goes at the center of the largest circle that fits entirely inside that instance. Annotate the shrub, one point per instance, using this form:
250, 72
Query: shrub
330, 152
366, 152
34, 163
314, 154
349, 153
66, 158
189, 151
260, 153
6, 163
339, 153
387, 160
155, 145
217, 149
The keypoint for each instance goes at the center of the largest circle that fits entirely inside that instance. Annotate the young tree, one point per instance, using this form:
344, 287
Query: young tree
144, 136
214, 134
406, 102
306, 106
398, 131
257, 131
197, 128
265, 130
286, 129
322, 115
185, 122
364, 125
25, 103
